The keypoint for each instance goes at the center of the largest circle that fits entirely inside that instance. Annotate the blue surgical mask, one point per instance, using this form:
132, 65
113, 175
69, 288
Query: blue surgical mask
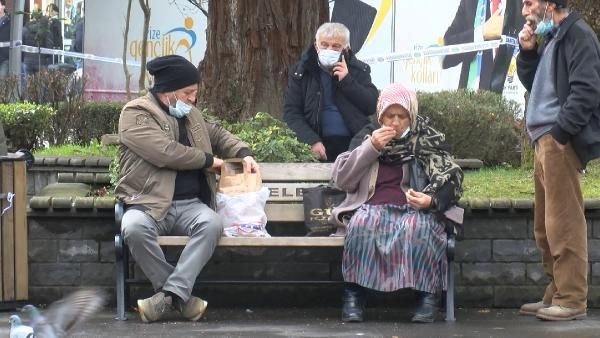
405, 134
545, 26
180, 110
328, 58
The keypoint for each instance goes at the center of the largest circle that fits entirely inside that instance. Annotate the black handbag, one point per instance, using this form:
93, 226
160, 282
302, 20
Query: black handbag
318, 203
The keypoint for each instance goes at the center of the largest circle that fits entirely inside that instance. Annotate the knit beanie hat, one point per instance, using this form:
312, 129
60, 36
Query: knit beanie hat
172, 72
560, 3
396, 93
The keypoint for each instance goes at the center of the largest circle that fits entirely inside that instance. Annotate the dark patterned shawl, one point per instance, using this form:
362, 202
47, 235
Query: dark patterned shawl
429, 148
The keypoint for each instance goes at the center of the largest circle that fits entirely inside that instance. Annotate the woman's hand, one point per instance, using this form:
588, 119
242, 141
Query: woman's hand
418, 200
380, 137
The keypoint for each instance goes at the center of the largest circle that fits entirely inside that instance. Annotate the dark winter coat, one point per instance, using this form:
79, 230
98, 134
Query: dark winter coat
577, 82
355, 96
4, 36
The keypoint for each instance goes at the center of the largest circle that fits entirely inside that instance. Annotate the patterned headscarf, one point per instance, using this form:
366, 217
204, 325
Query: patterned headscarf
396, 93
425, 144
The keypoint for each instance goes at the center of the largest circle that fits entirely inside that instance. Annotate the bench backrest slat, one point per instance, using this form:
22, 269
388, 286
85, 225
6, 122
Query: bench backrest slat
303, 172
281, 212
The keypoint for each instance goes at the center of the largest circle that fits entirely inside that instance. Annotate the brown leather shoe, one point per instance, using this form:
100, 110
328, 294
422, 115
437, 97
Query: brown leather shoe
531, 309
557, 312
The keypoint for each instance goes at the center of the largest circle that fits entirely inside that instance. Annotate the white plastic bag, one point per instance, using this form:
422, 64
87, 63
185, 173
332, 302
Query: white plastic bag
244, 214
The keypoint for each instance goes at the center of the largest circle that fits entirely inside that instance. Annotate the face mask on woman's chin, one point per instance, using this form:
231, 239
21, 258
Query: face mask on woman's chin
405, 134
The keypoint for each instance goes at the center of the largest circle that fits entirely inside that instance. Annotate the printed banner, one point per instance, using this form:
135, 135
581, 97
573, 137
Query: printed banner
442, 45
176, 27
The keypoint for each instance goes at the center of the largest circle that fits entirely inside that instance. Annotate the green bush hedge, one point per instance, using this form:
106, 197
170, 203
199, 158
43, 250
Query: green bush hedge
270, 140
477, 124
26, 125
95, 119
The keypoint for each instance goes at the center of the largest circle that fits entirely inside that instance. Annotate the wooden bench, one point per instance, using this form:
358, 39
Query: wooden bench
285, 182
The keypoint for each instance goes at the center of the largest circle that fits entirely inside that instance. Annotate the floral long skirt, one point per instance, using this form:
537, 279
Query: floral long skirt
390, 247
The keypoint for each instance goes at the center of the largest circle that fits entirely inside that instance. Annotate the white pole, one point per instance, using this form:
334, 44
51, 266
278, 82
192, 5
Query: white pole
16, 34
392, 71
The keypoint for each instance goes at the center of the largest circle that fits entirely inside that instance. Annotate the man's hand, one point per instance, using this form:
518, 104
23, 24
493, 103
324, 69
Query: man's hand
250, 165
418, 200
216, 166
492, 28
319, 150
527, 36
340, 69
380, 137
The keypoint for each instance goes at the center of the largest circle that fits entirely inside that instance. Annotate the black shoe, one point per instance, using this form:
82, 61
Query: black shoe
354, 303
427, 307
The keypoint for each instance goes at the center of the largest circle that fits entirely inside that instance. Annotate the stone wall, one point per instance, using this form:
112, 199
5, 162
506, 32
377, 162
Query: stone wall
71, 244
69, 252
497, 263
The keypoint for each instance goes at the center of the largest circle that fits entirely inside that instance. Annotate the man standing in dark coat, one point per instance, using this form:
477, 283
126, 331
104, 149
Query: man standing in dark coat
330, 94
4, 37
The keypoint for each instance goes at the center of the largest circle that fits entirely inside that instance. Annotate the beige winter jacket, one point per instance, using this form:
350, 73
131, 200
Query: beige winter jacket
151, 154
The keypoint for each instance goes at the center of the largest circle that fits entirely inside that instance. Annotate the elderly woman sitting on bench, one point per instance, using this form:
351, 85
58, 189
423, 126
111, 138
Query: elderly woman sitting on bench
399, 182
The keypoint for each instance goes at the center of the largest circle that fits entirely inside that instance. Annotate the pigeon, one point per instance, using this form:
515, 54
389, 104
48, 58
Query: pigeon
18, 330
66, 313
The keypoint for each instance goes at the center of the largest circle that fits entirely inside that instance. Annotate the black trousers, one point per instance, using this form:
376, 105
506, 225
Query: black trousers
335, 145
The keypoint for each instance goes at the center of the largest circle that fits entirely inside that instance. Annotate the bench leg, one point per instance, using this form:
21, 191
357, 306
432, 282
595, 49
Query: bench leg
126, 270
450, 292
120, 277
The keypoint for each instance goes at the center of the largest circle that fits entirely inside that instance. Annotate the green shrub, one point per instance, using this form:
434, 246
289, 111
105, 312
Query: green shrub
95, 119
84, 122
75, 120
477, 124
26, 125
270, 140
114, 172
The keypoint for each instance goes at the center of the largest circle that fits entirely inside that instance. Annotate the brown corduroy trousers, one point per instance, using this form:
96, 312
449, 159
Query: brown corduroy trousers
560, 228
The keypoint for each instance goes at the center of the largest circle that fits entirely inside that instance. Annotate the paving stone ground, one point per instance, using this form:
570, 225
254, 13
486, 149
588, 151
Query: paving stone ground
318, 322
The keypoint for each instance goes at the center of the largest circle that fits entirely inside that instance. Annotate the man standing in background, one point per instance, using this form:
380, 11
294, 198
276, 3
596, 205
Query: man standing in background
330, 94
55, 23
4, 37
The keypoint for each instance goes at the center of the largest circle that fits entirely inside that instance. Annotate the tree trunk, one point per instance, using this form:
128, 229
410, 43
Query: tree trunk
250, 46
590, 10
146, 9
125, 34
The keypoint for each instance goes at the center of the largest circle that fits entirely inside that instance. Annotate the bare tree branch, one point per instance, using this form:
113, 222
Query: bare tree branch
146, 9
125, 35
198, 4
